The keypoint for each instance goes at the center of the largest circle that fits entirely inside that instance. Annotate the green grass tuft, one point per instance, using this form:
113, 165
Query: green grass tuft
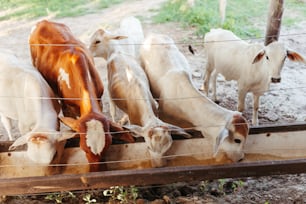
245, 18
28, 9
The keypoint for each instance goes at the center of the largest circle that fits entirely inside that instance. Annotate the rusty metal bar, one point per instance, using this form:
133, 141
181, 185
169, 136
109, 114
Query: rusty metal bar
166, 175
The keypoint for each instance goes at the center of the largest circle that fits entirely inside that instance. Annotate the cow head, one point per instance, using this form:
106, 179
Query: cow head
158, 140
100, 43
41, 147
273, 56
95, 137
230, 142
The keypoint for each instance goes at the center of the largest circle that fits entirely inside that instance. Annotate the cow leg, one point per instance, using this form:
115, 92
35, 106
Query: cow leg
255, 109
205, 86
241, 98
214, 80
7, 125
112, 108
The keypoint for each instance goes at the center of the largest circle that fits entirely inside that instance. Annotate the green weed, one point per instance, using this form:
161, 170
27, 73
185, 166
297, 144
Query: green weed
88, 199
122, 194
247, 19
60, 197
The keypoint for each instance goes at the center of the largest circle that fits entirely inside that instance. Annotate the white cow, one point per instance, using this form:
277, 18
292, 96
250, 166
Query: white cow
26, 97
181, 104
129, 89
131, 27
253, 66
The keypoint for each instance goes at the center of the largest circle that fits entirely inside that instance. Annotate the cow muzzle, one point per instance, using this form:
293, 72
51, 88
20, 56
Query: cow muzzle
275, 80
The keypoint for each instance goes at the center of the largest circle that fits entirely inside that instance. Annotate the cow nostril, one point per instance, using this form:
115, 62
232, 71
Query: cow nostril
275, 80
240, 160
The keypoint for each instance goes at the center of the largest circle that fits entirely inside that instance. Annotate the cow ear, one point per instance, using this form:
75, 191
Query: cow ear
120, 37
66, 135
259, 56
219, 140
110, 36
115, 37
71, 122
178, 131
294, 56
19, 141
120, 132
101, 31
136, 130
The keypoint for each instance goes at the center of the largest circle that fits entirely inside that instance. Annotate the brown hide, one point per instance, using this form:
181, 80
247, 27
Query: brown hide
55, 51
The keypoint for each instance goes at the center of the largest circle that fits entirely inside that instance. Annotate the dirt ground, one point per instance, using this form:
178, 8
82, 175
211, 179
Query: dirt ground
284, 103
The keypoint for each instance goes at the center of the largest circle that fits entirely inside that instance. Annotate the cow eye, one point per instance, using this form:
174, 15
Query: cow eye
238, 141
267, 57
98, 41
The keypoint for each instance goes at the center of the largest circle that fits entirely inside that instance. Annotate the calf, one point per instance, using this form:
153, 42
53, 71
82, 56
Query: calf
131, 27
27, 98
69, 68
253, 66
180, 103
129, 90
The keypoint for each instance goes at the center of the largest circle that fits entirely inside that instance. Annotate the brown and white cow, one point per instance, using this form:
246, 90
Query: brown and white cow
129, 89
68, 67
27, 98
181, 104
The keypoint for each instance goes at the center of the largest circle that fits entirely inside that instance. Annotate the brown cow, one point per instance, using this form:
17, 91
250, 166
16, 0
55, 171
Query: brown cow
69, 68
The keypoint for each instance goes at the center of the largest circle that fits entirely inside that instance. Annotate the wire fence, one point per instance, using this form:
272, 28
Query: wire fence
183, 42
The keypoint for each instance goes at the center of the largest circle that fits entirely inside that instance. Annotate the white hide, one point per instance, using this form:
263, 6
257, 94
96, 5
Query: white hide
132, 28
253, 66
128, 83
181, 104
25, 97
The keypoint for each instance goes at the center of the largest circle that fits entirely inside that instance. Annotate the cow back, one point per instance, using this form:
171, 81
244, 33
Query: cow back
66, 64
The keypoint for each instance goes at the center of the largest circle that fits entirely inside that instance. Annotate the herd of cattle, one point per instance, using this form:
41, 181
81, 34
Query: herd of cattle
149, 79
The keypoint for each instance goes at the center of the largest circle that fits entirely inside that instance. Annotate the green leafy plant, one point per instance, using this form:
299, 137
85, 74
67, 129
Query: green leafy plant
122, 194
203, 186
88, 200
236, 185
221, 185
60, 197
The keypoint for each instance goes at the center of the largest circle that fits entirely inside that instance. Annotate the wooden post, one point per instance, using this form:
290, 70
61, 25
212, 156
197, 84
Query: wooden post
274, 21
222, 10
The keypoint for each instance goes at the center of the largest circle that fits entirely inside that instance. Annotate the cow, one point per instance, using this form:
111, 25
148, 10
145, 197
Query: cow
129, 90
252, 65
68, 67
27, 98
182, 104
131, 26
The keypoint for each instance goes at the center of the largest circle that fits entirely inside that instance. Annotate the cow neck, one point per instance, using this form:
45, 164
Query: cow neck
89, 103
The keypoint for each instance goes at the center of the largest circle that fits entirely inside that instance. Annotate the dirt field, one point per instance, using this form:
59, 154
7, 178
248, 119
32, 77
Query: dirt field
284, 103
